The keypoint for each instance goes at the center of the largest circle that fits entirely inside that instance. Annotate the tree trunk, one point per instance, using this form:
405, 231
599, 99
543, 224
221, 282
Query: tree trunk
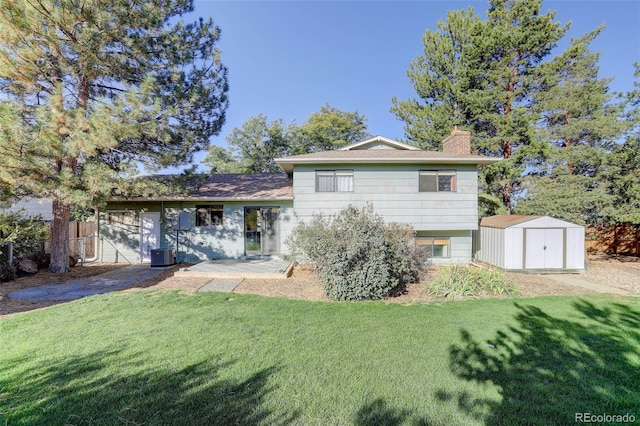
60, 236
505, 191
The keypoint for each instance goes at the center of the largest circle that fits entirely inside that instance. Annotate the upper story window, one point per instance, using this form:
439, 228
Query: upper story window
438, 181
120, 217
334, 180
208, 215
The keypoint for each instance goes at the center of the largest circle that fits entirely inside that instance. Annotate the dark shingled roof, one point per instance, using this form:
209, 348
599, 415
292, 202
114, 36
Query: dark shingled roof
264, 186
228, 187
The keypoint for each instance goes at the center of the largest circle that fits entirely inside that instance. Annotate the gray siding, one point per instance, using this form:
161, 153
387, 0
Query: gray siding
121, 243
460, 246
393, 192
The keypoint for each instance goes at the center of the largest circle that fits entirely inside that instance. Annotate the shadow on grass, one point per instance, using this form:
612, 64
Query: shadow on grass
378, 413
547, 369
90, 390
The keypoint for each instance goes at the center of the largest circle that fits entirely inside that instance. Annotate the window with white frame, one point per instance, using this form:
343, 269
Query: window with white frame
209, 215
438, 181
120, 217
334, 180
435, 246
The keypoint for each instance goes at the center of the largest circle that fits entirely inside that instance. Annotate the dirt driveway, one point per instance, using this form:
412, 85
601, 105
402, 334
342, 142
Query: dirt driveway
618, 273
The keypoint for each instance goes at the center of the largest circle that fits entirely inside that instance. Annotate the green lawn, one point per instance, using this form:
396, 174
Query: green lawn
170, 358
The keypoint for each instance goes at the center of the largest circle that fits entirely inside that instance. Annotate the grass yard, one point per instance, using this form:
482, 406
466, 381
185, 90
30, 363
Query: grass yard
170, 358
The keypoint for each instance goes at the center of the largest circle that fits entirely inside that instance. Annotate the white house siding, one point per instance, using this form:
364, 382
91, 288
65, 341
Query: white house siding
120, 243
393, 192
460, 246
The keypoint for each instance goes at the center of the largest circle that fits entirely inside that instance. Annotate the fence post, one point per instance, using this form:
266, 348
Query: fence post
83, 245
10, 254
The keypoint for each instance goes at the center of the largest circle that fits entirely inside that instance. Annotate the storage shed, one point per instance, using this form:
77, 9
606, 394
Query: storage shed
531, 243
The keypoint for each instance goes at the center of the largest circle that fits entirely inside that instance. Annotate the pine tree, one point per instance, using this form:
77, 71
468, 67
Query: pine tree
442, 77
579, 123
90, 88
483, 78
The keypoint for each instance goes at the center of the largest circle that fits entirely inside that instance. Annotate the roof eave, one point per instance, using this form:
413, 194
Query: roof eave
195, 198
287, 165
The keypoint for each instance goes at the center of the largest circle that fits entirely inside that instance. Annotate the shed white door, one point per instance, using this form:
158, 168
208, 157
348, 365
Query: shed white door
149, 234
544, 248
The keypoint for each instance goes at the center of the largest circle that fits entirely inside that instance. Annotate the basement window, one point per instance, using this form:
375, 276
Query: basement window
435, 246
209, 215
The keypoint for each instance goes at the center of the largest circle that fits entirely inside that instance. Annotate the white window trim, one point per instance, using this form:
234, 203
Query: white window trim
335, 182
437, 173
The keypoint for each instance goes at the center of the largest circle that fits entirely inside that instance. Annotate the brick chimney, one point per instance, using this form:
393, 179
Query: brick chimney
458, 143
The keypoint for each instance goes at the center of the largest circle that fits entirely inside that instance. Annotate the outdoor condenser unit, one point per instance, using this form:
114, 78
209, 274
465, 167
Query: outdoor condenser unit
162, 257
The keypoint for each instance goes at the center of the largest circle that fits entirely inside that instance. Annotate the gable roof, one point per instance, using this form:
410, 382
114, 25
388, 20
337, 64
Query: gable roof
381, 150
378, 142
383, 156
525, 221
233, 187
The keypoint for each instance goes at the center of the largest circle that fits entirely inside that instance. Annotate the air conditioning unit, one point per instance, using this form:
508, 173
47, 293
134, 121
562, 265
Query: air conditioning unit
162, 257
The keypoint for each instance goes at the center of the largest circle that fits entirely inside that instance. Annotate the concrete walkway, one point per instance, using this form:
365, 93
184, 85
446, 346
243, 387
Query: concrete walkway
578, 281
266, 268
225, 285
98, 284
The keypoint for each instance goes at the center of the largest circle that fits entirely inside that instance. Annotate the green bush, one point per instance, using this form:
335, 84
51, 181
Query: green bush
466, 281
16, 226
358, 257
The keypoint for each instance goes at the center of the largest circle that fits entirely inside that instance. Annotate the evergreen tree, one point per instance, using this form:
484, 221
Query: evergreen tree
442, 76
494, 78
576, 107
89, 88
623, 166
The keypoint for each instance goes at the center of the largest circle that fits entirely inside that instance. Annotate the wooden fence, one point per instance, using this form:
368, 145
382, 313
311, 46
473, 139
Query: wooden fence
82, 243
78, 230
617, 239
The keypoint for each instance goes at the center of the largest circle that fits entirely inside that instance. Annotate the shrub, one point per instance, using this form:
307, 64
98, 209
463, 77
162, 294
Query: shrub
16, 226
357, 256
465, 281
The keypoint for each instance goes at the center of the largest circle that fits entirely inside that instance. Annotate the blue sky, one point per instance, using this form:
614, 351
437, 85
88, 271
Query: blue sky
288, 58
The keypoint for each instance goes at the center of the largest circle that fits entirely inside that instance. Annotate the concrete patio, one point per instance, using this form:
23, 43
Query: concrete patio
259, 267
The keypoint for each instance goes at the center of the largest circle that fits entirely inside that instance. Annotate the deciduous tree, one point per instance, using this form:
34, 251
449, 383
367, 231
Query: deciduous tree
252, 147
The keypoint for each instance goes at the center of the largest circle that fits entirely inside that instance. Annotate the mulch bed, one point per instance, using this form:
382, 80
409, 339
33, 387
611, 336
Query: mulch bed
616, 271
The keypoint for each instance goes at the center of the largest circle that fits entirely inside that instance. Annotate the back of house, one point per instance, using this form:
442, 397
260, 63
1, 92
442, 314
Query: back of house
233, 216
